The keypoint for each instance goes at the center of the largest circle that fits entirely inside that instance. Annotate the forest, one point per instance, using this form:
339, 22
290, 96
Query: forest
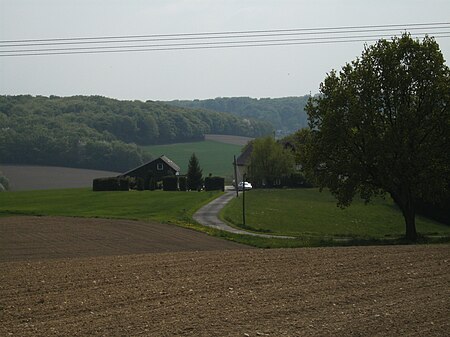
286, 114
102, 133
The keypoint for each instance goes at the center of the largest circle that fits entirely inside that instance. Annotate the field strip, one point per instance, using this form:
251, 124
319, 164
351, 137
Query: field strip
31, 238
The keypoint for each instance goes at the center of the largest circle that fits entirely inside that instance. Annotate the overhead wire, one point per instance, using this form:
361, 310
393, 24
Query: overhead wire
215, 40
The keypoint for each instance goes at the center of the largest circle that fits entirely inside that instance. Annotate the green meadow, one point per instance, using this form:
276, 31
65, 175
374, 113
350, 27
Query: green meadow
308, 215
158, 206
308, 212
214, 157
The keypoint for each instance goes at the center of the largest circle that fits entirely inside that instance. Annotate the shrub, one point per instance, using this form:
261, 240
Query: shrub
295, 180
4, 183
170, 183
140, 184
182, 183
111, 184
214, 183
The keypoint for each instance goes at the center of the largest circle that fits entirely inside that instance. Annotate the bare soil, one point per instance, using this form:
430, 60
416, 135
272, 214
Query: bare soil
355, 291
31, 177
227, 139
37, 238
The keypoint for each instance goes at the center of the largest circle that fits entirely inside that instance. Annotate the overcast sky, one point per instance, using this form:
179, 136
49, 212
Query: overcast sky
274, 71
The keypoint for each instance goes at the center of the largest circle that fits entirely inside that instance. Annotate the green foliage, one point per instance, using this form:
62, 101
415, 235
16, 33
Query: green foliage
194, 174
269, 162
286, 114
383, 124
4, 182
309, 212
182, 182
214, 184
170, 183
111, 184
101, 133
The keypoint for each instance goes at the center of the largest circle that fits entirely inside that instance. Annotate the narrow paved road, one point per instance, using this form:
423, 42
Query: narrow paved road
208, 216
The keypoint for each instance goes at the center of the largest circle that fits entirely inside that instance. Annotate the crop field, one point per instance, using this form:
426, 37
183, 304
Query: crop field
352, 291
214, 157
300, 212
86, 276
227, 139
31, 177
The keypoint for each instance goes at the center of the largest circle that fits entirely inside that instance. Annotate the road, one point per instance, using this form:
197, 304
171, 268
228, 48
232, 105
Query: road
208, 216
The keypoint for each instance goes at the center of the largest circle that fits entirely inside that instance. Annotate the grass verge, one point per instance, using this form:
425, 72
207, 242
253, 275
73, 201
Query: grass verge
313, 214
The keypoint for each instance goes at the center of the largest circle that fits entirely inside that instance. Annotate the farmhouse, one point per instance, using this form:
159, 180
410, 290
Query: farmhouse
155, 169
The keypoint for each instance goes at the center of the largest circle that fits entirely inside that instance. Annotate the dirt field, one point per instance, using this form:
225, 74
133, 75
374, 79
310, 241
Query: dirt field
235, 140
29, 177
37, 238
357, 291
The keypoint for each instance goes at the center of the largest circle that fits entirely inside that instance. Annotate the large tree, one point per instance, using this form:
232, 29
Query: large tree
269, 161
382, 124
194, 174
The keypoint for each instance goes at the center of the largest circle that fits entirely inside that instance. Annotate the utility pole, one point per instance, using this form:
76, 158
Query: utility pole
235, 177
243, 199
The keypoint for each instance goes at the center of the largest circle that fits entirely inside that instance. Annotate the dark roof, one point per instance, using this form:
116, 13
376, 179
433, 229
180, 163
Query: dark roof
170, 163
163, 158
244, 158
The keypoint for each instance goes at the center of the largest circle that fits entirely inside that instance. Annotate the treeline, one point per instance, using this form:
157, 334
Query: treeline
286, 114
102, 133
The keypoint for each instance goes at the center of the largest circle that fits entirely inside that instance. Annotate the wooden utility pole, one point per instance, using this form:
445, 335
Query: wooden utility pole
243, 200
235, 177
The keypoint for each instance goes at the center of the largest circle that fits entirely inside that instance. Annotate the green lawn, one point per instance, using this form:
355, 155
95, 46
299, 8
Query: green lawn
145, 205
300, 212
214, 157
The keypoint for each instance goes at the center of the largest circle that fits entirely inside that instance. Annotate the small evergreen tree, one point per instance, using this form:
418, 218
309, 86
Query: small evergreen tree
194, 174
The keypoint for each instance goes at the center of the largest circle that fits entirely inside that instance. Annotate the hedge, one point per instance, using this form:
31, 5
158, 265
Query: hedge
170, 183
182, 183
214, 183
111, 184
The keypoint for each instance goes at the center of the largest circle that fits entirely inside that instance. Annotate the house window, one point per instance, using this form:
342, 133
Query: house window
160, 166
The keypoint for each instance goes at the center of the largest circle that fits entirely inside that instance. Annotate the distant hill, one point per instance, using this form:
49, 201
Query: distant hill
285, 114
102, 133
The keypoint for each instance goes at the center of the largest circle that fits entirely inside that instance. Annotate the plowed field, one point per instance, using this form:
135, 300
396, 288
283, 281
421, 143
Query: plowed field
356, 291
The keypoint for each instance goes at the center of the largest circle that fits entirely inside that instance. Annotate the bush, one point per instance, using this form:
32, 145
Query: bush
295, 180
214, 183
4, 183
182, 183
111, 184
170, 183
140, 184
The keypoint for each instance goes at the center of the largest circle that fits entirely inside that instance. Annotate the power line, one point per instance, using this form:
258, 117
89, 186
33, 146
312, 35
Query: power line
228, 32
244, 39
218, 44
195, 47
123, 40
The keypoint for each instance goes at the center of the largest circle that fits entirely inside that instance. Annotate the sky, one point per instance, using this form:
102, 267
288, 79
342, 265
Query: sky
275, 71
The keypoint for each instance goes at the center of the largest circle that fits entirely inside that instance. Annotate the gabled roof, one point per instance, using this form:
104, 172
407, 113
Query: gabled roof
170, 163
166, 160
244, 158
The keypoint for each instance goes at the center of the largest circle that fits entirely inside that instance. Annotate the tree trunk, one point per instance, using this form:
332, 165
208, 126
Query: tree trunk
406, 205
410, 220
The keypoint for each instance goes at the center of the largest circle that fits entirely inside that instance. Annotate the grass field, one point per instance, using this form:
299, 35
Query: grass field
145, 205
214, 157
308, 212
